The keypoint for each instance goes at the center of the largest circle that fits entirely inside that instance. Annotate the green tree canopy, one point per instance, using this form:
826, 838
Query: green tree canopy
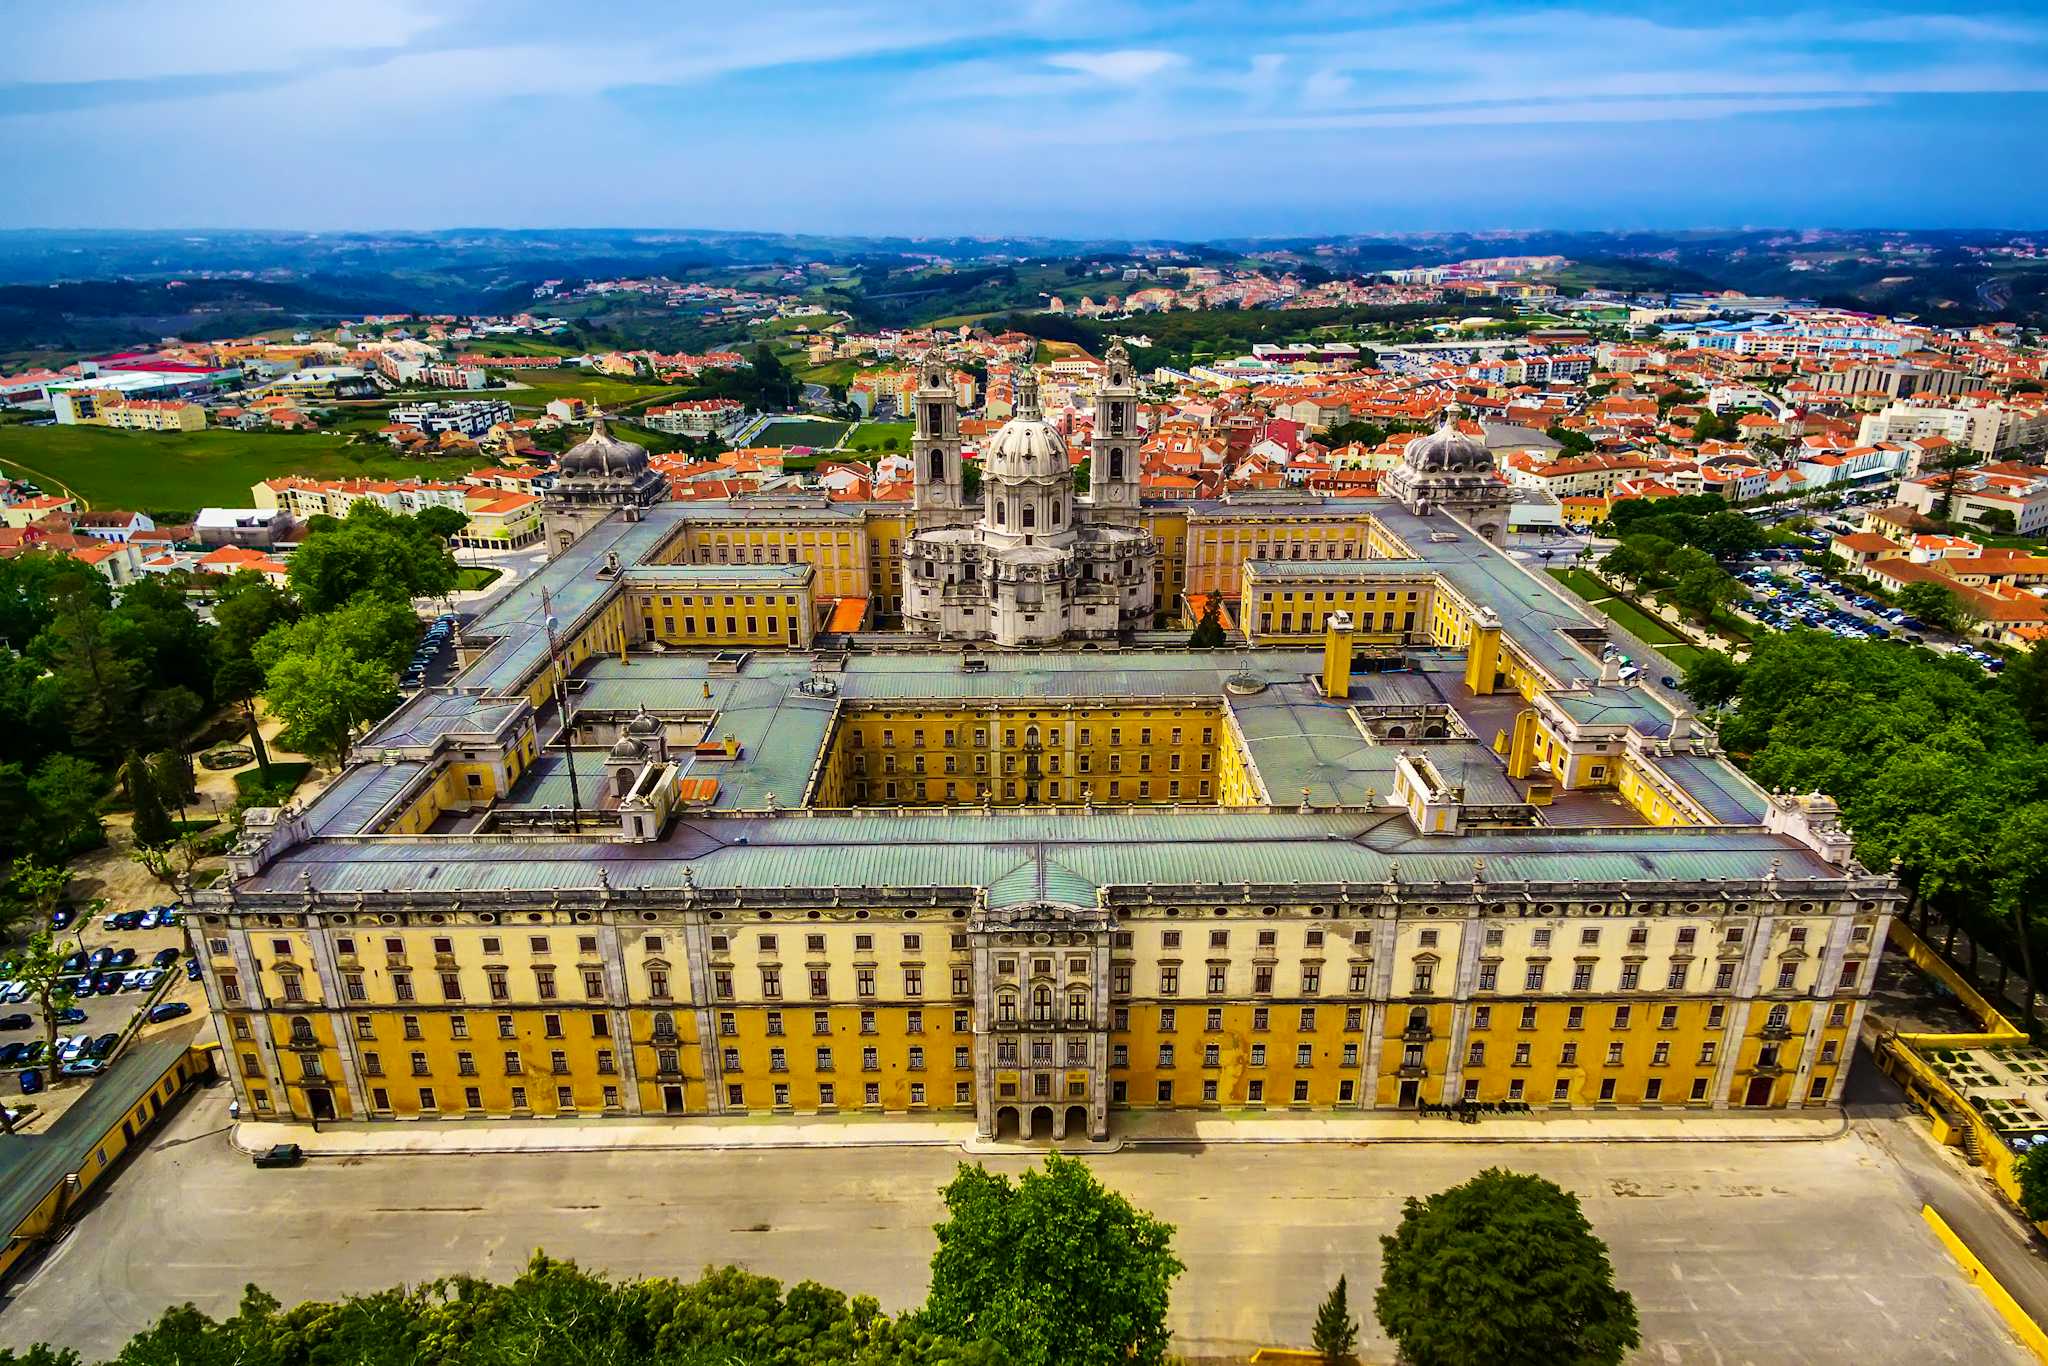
1503, 1269
370, 551
152, 824
1208, 632
1053, 1268
380, 630
322, 695
247, 608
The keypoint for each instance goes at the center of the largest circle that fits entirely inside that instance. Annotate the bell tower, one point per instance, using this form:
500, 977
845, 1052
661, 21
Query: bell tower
1113, 450
936, 494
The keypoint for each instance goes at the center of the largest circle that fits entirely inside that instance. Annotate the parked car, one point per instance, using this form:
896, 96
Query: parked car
71, 1015
169, 1010
165, 957
283, 1155
31, 1082
104, 1045
73, 962
61, 917
99, 958
12, 1054
82, 1067
191, 969
17, 1021
122, 958
110, 984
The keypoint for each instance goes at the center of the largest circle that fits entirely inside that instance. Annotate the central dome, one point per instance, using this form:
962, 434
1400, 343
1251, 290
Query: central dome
1448, 450
602, 456
1027, 446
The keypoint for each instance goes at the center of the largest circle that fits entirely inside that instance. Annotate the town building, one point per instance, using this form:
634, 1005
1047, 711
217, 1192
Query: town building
471, 417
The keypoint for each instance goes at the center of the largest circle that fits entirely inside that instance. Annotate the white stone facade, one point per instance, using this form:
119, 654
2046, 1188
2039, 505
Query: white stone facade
1040, 566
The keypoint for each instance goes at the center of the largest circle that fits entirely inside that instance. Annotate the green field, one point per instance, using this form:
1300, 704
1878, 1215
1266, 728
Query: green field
1640, 624
185, 471
542, 386
522, 346
874, 436
1582, 583
831, 372
800, 431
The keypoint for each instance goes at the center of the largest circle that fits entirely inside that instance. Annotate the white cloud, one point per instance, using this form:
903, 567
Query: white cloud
1127, 66
113, 41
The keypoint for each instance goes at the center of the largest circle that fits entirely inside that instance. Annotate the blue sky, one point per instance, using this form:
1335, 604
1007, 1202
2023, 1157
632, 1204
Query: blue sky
1057, 117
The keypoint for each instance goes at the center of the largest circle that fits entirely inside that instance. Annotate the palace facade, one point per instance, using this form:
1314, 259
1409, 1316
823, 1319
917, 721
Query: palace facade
789, 807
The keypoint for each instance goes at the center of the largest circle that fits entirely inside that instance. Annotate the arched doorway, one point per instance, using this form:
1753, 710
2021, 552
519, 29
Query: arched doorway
1006, 1119
1041, 1115
1077, 1122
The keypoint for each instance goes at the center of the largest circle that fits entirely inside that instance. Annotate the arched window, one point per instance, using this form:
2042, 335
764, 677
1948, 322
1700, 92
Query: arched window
999, 512
939, 465
302, 1030
1777, 1018
1041, 1004
1077, 1008
1055, 513
1006, 1008
1031, 736
664, 1025
1418, 1018
1030, 516
1116, 462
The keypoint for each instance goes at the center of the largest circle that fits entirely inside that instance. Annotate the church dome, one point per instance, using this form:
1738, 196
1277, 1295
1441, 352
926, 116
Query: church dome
1448, 450
1027, 446
1023, 448
602, 456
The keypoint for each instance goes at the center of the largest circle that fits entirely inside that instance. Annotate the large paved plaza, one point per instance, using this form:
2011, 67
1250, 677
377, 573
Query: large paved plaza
1736, 1252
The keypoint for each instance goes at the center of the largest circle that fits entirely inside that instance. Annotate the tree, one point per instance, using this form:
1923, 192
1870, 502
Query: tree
2021, 858
1208, 634
40, 968
152, 824
238, 682
247, 608
1713, 678
2033, 1175
443, 523
1503, 1269
2025, 681
66, 792
370, 551
1626, 563
379, 629
34, 890
91, 655
323, 695
1704, 590
1055, 1270
1336, 1331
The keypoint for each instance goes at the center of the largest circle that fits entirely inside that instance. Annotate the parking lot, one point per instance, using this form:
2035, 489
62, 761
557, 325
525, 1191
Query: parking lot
136, 982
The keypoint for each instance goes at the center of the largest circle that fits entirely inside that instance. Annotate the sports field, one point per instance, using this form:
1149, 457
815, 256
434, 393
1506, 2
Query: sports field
185, 471
817, 432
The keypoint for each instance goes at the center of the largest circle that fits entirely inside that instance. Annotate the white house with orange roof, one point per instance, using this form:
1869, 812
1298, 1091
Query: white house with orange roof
29, 510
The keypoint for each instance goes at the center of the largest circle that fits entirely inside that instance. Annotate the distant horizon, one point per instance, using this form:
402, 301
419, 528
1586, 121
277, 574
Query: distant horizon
1054, 118
1133, 239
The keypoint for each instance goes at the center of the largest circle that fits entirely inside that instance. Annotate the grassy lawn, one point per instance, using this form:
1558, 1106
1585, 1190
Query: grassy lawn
968, 319
801, 431
185, 471
873, 436
831, 372
469, 578
284, 780
521, 346
775, 327
542, 386
1640, 624
1684, 656
1582, 583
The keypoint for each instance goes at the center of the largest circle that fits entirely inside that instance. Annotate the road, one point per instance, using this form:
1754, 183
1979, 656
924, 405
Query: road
1735, 1252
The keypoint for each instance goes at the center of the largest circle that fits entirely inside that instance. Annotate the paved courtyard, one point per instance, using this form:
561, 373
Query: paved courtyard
1736, 1252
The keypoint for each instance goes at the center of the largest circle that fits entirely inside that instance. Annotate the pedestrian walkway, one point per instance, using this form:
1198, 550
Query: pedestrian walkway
1135, 1129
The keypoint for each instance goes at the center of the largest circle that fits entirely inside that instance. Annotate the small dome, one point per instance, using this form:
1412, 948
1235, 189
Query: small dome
602, 456
628, 750
644, 723
1448, 450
